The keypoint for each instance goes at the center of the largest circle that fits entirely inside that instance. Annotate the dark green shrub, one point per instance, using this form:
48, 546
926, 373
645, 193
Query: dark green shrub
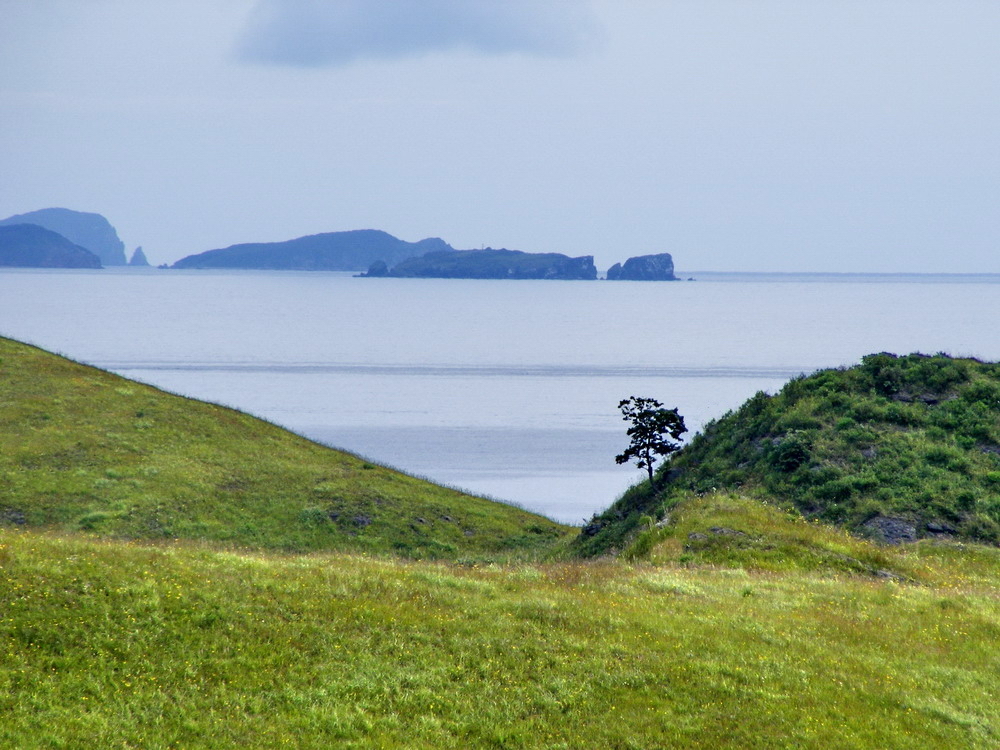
936, 433
868, 411
821, 475
799, 421
837, 490
865, 482
983, 392
883, 373
939, 456
791, 453
991, 507
906, 415
939, 377
859, 436
981, 528
965, 500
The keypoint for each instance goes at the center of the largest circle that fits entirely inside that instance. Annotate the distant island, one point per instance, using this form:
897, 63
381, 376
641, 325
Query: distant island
331, 251
378, 253
490, 264
88, 230
659, 267
514, 264
32, 246
386, 256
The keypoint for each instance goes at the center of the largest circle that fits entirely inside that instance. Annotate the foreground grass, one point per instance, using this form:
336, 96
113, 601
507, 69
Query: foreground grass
120, 645
85, 450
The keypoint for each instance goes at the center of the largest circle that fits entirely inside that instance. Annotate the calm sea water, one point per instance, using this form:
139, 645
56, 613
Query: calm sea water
507, 389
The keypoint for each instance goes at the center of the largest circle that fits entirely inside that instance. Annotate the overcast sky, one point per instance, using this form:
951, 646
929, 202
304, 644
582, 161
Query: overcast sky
771, 135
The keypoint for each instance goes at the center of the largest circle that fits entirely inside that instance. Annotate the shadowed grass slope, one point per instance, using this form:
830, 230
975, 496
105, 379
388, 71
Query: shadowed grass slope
117, 645
912, 441
82, 449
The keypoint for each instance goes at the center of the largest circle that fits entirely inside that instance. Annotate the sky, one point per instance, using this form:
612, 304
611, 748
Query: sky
737, 135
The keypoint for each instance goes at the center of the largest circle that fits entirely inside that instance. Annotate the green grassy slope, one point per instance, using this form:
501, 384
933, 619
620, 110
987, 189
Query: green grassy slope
82, 449
119, 645
914, 439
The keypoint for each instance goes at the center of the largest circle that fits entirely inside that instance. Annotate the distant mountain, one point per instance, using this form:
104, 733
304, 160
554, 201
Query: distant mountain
32, 246
331, 251
492, 264
91, 231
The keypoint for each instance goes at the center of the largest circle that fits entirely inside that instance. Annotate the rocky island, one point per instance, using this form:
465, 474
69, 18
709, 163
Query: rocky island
490, 263
659, 267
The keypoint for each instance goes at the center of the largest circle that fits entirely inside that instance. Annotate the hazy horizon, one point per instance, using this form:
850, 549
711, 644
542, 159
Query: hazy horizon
771, 136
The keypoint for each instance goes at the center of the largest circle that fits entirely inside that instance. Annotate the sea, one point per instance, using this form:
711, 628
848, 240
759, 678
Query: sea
506, 389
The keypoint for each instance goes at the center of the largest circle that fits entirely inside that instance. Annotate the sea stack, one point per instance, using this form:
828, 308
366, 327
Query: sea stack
138, 258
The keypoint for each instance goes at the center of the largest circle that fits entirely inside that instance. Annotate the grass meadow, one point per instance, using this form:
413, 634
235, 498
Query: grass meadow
128, 645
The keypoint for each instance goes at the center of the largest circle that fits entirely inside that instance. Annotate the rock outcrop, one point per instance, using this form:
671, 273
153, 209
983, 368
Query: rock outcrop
32, 246
659, 267
90, 231
496, 264
331, 251
890, 530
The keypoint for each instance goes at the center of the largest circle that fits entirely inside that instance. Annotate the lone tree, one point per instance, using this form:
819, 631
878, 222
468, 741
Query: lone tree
653, 432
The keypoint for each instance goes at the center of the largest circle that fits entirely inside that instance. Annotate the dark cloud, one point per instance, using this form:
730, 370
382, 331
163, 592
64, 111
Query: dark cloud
314, 33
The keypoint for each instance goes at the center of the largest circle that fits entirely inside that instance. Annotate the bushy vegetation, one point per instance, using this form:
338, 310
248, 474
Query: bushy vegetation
913, 438
121, 645
84, 450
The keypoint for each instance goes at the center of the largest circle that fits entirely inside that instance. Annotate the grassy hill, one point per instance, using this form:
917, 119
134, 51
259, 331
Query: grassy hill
84, 450
116, 645
896, 448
